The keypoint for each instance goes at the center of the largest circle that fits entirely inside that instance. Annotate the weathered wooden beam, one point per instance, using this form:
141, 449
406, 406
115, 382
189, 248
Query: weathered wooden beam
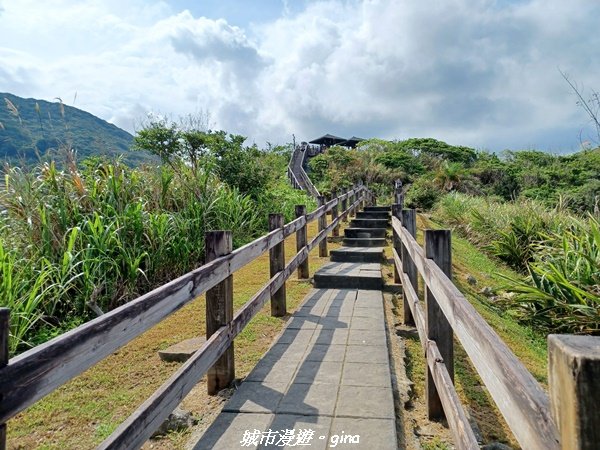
334, 215
322, 225
219, 311
137, 429
315, 214
439, 249
519, 397
412, 299
574, 381
293, 226
396, 242
301, 239
408, 218
4, 337
277, 264
464, 438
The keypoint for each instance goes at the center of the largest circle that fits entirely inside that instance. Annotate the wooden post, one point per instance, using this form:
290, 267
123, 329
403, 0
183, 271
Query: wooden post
301, 239
219, 311
334, 215
438, 248
4, 334
322, 226
573, 378
345, 206
409, 222
396, 242
398, 194
276, 265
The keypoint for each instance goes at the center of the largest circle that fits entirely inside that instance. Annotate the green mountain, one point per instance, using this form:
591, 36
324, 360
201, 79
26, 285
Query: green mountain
32, 129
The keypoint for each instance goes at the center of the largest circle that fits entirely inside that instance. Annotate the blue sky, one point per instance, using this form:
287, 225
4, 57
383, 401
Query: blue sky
483, 73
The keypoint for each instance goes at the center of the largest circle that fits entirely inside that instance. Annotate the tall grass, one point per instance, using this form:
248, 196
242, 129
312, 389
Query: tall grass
80, 238
558, 253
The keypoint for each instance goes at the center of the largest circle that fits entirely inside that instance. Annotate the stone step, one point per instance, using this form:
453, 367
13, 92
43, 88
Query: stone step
345, 275
369, 223
357, 254
183, 350
378, 208
365, 232
373, 215
364, 242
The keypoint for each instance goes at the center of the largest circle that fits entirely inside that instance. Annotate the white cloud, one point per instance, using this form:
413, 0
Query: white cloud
478, 72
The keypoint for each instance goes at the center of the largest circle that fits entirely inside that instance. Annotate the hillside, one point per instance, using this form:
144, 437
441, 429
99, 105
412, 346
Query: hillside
40, 127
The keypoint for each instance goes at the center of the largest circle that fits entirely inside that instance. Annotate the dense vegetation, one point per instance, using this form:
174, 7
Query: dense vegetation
99, 233
534, 211
33, 130
434, 168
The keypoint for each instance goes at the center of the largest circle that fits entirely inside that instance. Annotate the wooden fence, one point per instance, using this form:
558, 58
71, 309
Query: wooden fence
568, 418
28, 377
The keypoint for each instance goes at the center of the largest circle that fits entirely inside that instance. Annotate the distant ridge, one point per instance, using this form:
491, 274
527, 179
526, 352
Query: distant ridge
27, 130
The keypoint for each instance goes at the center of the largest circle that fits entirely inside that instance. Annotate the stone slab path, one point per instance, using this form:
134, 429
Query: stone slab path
325, 382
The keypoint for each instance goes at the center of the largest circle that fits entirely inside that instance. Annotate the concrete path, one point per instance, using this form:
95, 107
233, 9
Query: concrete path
325, 383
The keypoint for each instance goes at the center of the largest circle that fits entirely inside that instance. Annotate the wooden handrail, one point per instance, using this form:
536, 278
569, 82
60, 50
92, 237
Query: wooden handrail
32, 375
519, 397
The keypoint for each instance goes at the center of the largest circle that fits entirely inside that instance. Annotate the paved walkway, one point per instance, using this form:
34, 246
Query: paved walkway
325, 383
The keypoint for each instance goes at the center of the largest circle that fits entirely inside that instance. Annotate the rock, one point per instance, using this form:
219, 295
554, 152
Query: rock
487, 291
177, 420
471, 280
496, 446
182, 351
475, 427
425, 431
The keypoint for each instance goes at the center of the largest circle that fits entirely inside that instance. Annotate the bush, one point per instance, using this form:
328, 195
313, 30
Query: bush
423, 194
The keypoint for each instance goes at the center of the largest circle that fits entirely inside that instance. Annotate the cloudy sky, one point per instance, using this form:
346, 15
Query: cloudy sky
484, 73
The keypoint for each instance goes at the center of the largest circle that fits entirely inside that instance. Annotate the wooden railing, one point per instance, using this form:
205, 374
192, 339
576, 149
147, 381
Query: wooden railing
573, 422
28, 377
296, 173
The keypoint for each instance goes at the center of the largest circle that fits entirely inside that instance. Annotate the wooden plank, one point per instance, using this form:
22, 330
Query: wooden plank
4, 338
573, 375
464, 438
413, 302
293, 226
520, 398
301, 238
409, 222
315, 214
137, 429
276, 264
219, 311
249, 252
438, 248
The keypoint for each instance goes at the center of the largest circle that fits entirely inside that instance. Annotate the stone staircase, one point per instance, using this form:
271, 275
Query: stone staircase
357, 265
